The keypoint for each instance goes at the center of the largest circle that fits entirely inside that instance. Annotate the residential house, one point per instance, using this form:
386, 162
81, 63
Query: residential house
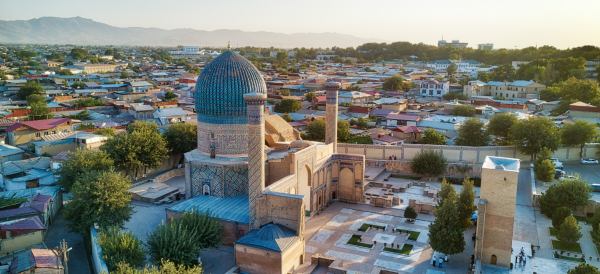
396, 119
386, 140
138, 86
434, 88
31, 131
69, 142
170, 115
161, 82
410, 134
315, 84
24, 174
45, 261
523, 89
20, 234
10, 153
142, 112
474, 88
353, 97
50, 65
391, 103
581, 110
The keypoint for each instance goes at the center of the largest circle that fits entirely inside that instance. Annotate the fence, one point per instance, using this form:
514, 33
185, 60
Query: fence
97, 262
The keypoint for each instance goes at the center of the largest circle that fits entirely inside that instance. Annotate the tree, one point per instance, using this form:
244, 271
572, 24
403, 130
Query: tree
396, 83
119, 247
574, 192
362, 123
124, 75
83, 126
544, 154
463, 110
471, 133
310, 96
432, 137
39, 107
549, 202
79, 163
500, 125
559, 216
174, 242
359, 139
504, 72
446, 233
466, 203
110, 132
584, 268
287, 106
533, 134
597, 70
452, 68
109, 52
169, 96
287, 117
453, 56
90, 204
572, 89
545, 171
578, 134
596, 221
483, 76
429, 163
447, 193
285, 92
316, 131
452, 80
167, 267
560, 69
343, 130
206, 226
410, 213
181, 138
29, 88
569, 231
88, 102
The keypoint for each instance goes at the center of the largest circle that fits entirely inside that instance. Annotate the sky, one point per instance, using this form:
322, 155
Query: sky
506, 24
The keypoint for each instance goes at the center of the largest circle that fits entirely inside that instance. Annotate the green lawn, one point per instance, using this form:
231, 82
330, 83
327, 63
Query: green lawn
553, 231
354, 241
405, 177
406, 248
366, 226
569, 258
560, 246
413, 236
597, 247
583, 219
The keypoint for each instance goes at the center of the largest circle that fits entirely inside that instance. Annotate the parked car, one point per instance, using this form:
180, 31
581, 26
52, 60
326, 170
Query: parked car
589, 161
557, 163
567, 177
559, 173
596, 187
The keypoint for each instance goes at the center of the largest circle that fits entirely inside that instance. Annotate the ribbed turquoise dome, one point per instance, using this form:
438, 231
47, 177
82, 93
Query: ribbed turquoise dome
220, 88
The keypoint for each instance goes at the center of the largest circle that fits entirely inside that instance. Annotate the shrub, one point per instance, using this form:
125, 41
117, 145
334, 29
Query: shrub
121, 247
410, 213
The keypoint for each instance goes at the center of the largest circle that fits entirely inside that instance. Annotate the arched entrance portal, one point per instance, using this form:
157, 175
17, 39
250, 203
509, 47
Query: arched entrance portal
346, 183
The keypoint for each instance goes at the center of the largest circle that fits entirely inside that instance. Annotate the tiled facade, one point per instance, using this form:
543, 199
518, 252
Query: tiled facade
218, 180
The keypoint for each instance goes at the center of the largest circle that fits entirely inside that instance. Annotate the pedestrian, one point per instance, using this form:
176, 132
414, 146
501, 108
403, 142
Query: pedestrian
524, 260
522, 251
440, 262
520, 259
434, 260
516, 260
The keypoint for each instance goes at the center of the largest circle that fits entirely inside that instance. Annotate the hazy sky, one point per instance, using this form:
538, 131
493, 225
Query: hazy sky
506, 23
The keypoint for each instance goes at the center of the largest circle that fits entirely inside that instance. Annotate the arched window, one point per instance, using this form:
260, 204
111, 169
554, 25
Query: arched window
212, 153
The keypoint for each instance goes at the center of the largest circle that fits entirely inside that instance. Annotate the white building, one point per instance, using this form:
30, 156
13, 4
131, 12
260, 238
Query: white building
463, 65
434, 88
187, 52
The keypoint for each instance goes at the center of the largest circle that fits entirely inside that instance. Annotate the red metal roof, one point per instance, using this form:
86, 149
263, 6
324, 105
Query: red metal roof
364, 110
39, 125
385, 138
46, 258
33, 223
17, 211
408, 129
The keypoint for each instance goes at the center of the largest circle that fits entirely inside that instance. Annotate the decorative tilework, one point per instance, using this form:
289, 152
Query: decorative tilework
331, 118
229, 139
224, 181
256, 156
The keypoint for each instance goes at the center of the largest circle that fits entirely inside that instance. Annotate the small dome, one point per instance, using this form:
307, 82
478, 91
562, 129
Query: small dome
300, 144
220, 88
270, 232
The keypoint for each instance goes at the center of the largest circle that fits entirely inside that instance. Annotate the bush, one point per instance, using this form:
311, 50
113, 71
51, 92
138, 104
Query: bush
559, 216
459, 181
430, 163
410, 213
121, 247
360, 140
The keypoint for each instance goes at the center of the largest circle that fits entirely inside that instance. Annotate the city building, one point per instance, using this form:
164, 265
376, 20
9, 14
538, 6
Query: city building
487, 46
454, 43
434, 88
30, 131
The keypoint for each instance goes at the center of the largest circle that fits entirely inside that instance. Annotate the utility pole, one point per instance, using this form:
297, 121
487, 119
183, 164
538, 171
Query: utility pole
63, 250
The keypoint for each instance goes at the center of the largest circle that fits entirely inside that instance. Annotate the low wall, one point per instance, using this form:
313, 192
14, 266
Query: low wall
403, 166
97, 262
169, 175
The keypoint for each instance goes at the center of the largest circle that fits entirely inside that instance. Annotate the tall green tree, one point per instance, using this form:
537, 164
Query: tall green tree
578, 134
310, 96
79, 163
572, 89
29, 88
452, 68
466, 203
549, 201
447, 193
560, 69
39, 107
432, 137
285, 92
584, 268
118, 246
429, 163
446, 233
500, 125
471, 133
287, 106
504, 72
362, 123
483, 76
287, 117
181, 138
463, 110
206, 226
545, 171
569, 231
559, 216
343, 130
533, 134
596, 221
395, 83
99, 197
316, 131
574, 192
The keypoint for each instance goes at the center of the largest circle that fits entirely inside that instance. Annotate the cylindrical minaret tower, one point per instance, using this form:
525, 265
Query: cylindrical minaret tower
332, 113
255, 103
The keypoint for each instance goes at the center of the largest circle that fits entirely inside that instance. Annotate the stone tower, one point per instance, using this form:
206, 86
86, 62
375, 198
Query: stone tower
496, 210
255, 103
332, 113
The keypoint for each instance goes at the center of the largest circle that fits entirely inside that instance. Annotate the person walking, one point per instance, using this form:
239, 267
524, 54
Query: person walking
516, 260
434, 260
440, 262
524, 260
520, 259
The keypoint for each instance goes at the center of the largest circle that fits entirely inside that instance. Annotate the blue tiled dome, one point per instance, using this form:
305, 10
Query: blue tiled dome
221, 86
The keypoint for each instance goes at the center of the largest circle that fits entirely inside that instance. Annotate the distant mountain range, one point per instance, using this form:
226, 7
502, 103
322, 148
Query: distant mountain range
82, 31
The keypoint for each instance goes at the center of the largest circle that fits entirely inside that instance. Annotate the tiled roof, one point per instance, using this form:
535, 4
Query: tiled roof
39, 125
6, 122
272, 237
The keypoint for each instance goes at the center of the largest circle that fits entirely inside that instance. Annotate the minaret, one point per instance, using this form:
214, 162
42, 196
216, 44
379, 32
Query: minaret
255, 103
332, 113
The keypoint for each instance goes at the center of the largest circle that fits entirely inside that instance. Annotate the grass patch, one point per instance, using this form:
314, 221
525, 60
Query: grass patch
583, 219
406, 248
597, 247
354, 241
406, 177
553, 231
365, 227
412, 235
560, 246
569, 258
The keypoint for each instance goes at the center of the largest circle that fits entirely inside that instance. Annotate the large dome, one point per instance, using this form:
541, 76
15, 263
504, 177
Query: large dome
220, 88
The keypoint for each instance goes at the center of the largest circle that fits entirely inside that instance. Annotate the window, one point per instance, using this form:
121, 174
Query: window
37, 135
53, 132
439, 92
46, 133
65, 131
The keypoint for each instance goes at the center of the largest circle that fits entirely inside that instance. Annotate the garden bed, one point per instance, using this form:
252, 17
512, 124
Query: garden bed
366, 226
583, 219
412, 235
567, 258
560, 246
406, 177
406, 248
553, 231
354, 241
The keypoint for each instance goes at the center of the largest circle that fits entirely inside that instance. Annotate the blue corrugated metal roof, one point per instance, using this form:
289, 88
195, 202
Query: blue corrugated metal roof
521, 83
6, 150
272, 237
235, 209
435, 125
